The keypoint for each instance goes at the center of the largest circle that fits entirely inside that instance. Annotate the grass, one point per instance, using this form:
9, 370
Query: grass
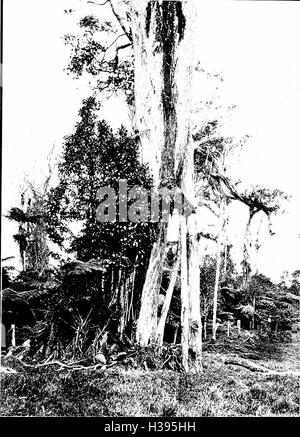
222, 390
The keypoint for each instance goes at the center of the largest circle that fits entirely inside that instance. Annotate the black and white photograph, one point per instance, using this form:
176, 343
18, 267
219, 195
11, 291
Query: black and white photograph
150, 216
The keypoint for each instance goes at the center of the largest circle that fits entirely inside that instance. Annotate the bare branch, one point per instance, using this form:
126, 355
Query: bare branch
108, 47
98, 4
124, 46
127, 32
207, 236
210, 208
254, 204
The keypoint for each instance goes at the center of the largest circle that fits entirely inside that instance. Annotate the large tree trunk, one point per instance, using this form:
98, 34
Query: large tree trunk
161, 32
162, 39
147, 321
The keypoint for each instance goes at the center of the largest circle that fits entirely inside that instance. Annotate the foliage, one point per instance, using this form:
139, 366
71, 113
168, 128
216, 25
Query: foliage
294, 287
110, 257
275, 306
6, 276
95, 157
274, 302
32, 230
96, 50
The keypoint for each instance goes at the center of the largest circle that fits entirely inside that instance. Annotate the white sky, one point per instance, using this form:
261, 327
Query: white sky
254, 45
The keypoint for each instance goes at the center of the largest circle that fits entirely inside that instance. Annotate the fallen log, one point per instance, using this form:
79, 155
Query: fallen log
257, 368
247, 364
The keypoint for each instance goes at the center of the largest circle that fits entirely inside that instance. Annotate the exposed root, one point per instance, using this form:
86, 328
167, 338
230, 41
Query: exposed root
67, 366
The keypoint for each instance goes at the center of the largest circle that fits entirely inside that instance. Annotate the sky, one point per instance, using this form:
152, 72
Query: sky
253, 45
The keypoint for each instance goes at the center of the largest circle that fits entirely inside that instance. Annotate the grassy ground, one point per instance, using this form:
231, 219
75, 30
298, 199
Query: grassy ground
222, 390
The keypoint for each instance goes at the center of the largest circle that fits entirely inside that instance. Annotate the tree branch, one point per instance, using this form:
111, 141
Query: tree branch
124, 46
255, 205
108, 47
98, 4
127, 33
210, 208
207, 236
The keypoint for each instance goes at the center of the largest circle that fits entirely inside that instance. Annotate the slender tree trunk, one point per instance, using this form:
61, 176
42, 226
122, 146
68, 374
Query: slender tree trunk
185, 301
112, 282
175, 335
195, 325
216, 288
225, 258
247, 250
13, 335
132, 286
253, 317
228, 328
159, 336
256, 246
218, 267
239, 327
122, 306
191, 327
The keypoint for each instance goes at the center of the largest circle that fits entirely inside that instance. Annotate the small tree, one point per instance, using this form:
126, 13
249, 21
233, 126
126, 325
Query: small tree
32, 233
95, 157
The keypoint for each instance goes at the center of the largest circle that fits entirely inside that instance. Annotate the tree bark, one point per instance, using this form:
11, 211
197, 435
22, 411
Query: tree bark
247, 364
246, 252
147, 321
159, 336
185, 301
191, 326
175, 335
161, 33
195, 324
239, 327
163, 44
13, 335
218, 267
123, 303
162, 40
